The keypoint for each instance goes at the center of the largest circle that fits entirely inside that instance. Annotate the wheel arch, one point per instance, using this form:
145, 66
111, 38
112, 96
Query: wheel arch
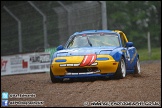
122, 56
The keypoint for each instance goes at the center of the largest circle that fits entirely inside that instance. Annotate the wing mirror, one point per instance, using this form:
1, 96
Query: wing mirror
129, 44
60, 47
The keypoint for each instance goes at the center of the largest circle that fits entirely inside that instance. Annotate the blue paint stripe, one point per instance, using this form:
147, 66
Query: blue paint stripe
60, 60
103, 58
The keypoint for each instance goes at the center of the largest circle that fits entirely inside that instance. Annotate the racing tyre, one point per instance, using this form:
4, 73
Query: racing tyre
53, 79
137, 70
121, 70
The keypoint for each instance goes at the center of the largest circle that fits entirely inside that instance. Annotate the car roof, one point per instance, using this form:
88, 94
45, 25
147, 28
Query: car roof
94, 31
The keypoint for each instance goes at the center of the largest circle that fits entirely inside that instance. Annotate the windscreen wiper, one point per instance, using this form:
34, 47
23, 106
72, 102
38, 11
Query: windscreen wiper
89, 42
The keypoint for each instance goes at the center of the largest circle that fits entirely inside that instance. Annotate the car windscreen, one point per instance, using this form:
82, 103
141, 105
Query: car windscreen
94, 40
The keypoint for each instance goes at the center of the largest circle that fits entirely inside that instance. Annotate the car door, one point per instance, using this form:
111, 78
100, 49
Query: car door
131, 52
128, 53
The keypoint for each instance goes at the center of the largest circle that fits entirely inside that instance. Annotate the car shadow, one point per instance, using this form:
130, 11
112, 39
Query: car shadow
72, 80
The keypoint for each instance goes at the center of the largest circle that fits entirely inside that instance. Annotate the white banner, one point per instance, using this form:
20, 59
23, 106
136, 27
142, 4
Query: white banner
25, 63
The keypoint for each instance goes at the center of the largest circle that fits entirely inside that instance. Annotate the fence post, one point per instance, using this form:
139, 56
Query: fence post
44, 23
104, 15
19, 27
149, 45
68, 15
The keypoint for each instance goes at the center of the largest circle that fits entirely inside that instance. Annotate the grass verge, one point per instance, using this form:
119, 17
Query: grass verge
144, 55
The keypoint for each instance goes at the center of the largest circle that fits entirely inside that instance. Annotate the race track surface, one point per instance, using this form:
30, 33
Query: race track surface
140, 90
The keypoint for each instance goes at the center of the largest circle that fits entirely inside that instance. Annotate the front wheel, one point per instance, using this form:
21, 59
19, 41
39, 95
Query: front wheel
53, 79
121, 70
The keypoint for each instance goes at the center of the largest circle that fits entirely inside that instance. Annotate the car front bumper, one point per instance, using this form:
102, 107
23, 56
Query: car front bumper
69, 66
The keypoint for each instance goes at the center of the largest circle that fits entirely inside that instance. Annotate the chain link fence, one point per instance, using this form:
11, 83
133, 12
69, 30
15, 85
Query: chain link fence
62, 19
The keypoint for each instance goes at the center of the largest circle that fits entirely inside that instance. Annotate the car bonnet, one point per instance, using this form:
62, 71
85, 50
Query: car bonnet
84, 51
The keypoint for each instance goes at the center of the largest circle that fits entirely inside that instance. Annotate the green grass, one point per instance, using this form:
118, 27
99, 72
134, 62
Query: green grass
155, 54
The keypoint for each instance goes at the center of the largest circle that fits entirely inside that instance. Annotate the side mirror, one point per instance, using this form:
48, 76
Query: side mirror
60, 48
129, 44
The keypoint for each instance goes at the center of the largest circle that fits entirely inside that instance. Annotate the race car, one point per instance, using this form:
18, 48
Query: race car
95, 53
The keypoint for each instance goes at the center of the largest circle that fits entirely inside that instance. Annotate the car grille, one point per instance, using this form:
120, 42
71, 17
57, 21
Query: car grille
82, 70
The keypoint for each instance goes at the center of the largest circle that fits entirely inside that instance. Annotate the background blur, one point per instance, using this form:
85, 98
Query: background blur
31, 26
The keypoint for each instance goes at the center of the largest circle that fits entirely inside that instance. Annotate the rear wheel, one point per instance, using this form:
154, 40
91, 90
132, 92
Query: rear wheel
121, 71
137, 69
53, 78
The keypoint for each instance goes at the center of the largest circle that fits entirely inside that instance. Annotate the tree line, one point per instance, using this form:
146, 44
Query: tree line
136, 19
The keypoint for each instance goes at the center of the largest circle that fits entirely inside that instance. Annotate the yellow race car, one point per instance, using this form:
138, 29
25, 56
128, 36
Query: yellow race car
94, 53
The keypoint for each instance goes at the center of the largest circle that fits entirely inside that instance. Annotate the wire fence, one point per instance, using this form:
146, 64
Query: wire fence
62, 19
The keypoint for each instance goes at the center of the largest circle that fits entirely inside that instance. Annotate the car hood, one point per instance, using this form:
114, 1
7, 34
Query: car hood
84, 51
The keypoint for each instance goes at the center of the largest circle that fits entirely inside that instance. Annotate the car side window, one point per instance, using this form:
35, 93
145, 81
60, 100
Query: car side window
123, 40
